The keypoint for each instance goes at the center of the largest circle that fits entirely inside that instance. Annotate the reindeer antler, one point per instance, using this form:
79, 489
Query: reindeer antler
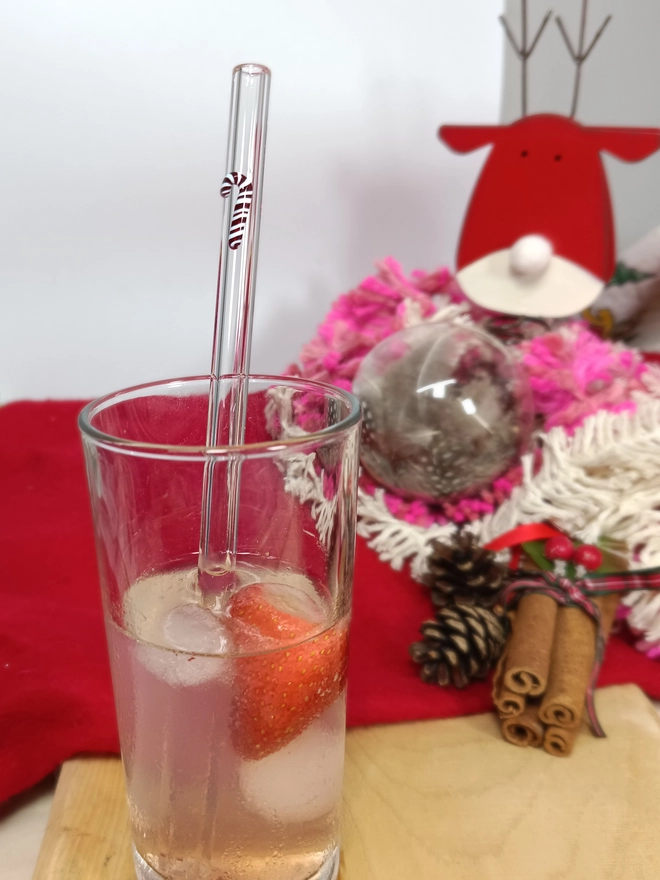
580, 55
523, 51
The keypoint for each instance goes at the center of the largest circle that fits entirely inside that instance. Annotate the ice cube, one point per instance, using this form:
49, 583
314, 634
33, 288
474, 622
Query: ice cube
181, 670
186, 629
193, 628
301, 781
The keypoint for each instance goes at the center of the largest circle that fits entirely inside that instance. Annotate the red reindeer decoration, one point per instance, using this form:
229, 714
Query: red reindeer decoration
538, 236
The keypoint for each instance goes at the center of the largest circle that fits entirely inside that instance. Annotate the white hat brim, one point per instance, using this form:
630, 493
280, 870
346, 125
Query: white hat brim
563, 289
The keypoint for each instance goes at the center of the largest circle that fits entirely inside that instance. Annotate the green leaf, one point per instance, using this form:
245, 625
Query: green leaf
536, 552
614, 559
625, 274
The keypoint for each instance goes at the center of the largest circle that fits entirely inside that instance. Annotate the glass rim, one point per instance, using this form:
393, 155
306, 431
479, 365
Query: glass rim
263, 447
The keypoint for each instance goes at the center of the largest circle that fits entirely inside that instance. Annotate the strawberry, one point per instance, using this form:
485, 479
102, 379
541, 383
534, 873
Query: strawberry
279, 693
253, 607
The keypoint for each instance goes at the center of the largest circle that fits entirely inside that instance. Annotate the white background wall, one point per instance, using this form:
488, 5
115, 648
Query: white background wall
620, 86
112, 148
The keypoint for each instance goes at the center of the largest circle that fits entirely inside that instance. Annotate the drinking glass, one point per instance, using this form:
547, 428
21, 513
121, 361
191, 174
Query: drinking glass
230, 701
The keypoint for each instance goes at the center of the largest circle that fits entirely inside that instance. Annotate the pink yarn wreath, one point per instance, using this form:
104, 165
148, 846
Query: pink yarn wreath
573, 373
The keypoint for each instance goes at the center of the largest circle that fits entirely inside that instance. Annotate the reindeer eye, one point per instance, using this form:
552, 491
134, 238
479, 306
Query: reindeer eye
524, 153
558, 157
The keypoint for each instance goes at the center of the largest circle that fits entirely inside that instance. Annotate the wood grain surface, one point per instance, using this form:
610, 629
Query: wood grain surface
87, 837
437, 800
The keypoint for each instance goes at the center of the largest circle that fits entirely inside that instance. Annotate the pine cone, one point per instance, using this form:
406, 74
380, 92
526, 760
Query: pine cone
461, 644
463, 573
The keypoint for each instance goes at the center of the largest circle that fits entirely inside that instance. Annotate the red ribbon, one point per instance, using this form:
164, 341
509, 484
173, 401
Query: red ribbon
521, 535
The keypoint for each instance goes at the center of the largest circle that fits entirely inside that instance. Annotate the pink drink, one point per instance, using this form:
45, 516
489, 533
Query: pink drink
199, 809
230, 702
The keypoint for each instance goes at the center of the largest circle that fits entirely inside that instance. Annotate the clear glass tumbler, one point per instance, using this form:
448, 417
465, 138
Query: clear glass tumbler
230, 701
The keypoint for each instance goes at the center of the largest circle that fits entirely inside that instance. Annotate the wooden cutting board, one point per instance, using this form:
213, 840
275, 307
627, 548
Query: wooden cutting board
437, 799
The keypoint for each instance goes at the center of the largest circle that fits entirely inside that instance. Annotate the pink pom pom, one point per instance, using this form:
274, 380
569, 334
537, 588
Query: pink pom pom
359, 320
573, 374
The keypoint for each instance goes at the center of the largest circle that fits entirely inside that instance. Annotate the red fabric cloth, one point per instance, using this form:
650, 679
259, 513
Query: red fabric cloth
55, 694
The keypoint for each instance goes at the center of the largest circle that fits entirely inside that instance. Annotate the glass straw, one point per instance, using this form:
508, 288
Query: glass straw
241, 189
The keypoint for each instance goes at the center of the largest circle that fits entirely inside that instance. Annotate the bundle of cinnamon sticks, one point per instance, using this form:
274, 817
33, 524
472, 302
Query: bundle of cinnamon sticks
543, 674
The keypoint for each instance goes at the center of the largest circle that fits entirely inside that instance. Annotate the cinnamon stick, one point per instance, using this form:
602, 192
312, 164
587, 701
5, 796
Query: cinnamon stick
559, 741
573, 654
507, 703
608, 607
530, 645
525, 729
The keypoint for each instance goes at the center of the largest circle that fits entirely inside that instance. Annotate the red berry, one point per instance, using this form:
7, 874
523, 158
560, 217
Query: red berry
558, 548
588, 556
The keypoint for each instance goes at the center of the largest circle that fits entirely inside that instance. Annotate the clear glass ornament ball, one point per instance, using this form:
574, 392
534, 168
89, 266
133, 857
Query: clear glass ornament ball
447, 409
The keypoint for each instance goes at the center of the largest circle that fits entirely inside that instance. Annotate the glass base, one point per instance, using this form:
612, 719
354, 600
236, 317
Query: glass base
329, 870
